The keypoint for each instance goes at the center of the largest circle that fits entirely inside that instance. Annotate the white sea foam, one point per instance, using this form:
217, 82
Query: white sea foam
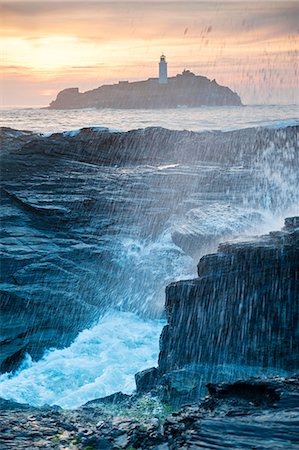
222, 118
101, 361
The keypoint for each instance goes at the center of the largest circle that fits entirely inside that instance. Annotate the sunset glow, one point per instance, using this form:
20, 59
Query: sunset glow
48, 45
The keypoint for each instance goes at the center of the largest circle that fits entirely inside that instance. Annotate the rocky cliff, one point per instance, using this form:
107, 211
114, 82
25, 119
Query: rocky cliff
185, 89
69, 203
254, 414
84, 213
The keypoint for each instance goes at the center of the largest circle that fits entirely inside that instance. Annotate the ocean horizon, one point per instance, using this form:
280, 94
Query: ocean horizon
206, 118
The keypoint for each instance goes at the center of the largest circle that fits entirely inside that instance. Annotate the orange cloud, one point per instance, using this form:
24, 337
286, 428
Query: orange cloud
88, 43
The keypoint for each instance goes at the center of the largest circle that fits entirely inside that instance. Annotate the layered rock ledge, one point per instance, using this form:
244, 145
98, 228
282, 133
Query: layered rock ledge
71, 200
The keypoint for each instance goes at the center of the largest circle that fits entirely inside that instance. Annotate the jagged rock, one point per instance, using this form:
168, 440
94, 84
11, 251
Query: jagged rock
243, 309
155, 145
256, 413
146, 380
255, 391
181, 386
69, 205
114, 399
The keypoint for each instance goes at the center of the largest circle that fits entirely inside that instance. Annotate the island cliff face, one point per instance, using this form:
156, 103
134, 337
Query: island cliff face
184, 89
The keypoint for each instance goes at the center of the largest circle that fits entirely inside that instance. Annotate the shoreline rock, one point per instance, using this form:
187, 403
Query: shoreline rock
257, 413
242, 311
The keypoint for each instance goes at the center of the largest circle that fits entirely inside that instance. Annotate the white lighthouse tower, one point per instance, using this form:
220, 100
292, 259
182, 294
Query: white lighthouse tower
163, 70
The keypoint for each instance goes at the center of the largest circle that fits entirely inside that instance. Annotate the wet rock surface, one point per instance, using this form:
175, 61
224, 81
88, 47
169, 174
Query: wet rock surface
155, 145
242, 310
85, 215
257, 413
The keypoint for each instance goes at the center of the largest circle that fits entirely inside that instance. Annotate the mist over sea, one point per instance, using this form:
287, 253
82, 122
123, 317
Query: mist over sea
193, 119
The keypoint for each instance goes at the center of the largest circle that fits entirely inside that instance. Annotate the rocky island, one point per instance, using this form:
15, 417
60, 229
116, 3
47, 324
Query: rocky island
183, 90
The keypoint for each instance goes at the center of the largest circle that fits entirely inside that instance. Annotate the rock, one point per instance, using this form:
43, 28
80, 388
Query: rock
255, 391
11, 405
13, 360
181, 386
230, 150
291, 223
186, 88
146, 380
242, 310
69, 205
255, 413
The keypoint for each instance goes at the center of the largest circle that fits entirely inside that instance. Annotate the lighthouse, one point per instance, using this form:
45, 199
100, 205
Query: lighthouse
163, 70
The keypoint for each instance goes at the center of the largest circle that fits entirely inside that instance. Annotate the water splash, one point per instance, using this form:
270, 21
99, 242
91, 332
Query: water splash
101, 361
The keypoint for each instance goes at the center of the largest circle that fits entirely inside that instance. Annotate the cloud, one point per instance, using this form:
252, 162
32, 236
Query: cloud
101, 21
87, 43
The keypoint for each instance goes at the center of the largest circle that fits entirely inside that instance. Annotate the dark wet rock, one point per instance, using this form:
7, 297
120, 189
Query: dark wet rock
184, 89
146, 380
255, 391
10, 404
161, 146
291, 223
256, 413
242, 310
113, 399
180, 386
69, 205
12, 361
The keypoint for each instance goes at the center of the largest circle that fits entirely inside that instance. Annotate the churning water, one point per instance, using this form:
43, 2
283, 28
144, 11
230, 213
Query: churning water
104, 358
101, 361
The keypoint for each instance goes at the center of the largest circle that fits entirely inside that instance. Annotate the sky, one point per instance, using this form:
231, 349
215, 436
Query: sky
46, 46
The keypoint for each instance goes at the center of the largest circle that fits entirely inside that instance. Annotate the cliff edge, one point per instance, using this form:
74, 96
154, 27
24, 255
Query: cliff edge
243, 307
240, 314
186, 89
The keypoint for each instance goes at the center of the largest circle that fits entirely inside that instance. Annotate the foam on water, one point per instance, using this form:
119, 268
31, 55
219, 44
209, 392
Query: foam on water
104, 358
101, 361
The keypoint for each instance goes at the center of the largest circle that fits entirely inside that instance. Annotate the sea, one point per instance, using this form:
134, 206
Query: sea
104, 358
193, 119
